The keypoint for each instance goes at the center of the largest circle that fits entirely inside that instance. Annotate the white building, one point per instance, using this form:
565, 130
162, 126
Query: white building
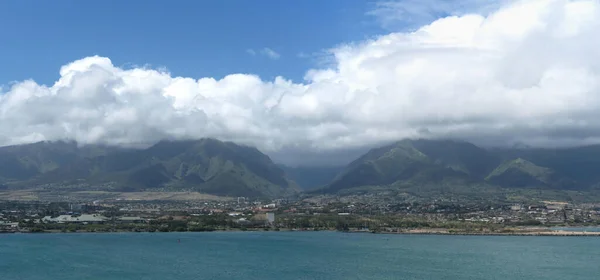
270, 217
516, 207
85, 218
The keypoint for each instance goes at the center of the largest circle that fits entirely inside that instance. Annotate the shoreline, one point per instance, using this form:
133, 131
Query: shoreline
160, 232
517, 232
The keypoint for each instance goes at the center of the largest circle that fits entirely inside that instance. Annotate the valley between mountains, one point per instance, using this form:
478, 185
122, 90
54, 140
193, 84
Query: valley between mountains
424, 169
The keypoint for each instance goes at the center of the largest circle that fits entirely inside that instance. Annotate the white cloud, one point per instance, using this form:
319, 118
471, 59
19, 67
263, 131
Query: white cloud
528, 72
268, 52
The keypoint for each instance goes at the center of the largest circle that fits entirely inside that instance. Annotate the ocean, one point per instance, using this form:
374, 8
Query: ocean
294, 255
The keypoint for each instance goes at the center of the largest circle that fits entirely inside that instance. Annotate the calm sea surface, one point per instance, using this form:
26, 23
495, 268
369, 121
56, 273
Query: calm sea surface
295, 255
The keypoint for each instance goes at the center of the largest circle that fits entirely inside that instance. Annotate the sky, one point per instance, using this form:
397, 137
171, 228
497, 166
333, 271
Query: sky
190, 38
307, 82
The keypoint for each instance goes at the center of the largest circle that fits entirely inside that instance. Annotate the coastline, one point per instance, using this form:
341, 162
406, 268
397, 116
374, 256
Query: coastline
160, 232
515, 232
420, 231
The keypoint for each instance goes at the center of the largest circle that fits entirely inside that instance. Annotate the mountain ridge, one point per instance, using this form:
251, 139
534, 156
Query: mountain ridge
225, 168
424, 164
206, 165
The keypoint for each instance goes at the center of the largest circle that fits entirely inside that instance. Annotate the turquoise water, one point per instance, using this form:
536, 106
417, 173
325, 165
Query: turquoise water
295, 255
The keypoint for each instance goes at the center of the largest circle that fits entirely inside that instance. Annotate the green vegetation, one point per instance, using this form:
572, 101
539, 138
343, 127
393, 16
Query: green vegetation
444, 169
207, 165
523, 165
521, 173
426, 169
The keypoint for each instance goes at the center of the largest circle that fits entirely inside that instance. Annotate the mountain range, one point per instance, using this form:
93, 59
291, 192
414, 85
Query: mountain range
206, 165
448, 166
225, 168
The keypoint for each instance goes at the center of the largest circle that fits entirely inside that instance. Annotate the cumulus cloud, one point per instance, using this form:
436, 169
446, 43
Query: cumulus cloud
268, 52
528, 72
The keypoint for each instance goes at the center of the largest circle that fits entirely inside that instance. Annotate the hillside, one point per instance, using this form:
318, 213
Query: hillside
402, 162
520, 173
579, 163
460, 156
443, 166
427, 168
206, 165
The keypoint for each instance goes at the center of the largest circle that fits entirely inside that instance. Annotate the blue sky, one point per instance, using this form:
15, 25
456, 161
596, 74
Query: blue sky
493, 72
190, 38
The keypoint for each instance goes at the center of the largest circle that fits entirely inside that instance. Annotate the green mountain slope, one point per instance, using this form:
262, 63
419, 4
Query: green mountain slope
437, 166
206, 165
401, 162
23, 162
460, 156
582, 164
520, 173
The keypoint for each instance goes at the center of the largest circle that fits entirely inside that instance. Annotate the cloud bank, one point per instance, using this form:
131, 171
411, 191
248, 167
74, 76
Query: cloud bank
528, 72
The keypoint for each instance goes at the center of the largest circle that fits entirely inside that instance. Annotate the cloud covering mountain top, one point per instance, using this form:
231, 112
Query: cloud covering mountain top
528, 72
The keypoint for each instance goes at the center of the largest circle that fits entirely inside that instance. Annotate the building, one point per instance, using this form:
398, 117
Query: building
556, 206
86, 218
270, 217
8, 226
516, 207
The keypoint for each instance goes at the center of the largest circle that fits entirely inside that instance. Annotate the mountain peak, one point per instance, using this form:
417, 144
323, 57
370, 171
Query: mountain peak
523, 173
206, 165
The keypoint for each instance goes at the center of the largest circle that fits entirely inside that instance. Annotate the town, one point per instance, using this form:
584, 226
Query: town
317, 213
